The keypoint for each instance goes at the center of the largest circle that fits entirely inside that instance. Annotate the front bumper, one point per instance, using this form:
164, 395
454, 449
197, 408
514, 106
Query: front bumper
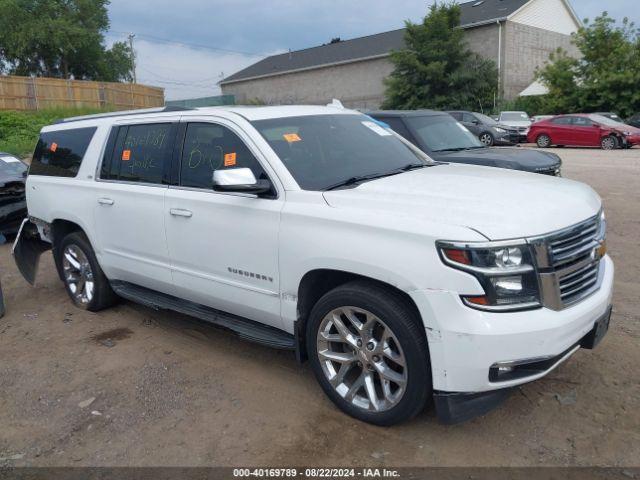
632, 140
465, 343
506, 138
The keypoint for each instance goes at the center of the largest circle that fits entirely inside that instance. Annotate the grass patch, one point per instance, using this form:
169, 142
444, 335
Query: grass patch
19, 130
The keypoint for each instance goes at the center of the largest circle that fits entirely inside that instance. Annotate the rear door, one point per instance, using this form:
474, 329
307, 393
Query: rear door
223, 246
561, 131
129, 203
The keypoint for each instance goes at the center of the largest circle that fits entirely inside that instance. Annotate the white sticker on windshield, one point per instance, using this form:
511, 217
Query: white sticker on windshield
377, 128
9, 159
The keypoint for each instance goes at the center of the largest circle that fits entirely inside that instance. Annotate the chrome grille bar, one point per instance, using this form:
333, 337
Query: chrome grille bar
568, 263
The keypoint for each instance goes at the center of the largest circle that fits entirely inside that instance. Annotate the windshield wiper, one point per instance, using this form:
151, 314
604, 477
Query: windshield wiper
360, 179
459, 149
413, 166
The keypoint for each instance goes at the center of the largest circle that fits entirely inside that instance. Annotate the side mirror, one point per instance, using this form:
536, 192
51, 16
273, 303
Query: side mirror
240, 180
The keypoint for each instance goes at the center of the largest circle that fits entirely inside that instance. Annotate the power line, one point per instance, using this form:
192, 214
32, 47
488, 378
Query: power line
190, 44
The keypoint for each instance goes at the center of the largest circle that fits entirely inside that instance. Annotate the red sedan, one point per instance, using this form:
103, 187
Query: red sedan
584, 131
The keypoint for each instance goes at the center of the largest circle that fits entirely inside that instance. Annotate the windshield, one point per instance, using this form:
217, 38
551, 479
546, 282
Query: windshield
441, 133
604, 120
321, 151
11, 166
485, 119
514, 117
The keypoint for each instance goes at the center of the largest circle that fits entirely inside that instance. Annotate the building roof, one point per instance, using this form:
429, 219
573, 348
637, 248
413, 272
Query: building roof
474, 13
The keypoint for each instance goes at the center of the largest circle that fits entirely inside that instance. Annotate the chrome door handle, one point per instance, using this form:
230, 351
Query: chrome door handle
179, 212
105, 201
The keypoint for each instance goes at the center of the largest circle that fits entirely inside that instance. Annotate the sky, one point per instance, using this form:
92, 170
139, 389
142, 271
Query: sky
188, 46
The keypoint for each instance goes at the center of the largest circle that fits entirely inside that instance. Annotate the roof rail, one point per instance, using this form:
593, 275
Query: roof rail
124, 113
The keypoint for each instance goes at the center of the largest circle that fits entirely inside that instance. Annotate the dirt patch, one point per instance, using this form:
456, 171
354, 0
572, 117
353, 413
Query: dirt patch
111, 337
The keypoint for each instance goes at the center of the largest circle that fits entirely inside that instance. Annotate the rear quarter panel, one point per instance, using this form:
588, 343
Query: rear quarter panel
65, 198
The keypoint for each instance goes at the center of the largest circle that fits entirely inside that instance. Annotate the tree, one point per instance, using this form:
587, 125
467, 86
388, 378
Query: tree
606, 76
60, 38
436, 69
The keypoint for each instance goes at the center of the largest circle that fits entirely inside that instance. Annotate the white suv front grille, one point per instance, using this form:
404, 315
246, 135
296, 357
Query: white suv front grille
568, 263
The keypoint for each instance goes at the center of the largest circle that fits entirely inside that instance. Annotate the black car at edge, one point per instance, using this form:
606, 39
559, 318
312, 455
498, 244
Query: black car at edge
444, 139
13, 203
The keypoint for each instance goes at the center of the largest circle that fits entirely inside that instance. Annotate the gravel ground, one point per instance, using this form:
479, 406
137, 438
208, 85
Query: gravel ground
131, 386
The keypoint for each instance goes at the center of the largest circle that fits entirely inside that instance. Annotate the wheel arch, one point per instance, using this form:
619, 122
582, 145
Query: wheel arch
60, 228
316, 283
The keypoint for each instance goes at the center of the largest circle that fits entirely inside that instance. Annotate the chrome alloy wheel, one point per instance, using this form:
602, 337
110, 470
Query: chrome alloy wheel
362, 359
486, 139
78, 274
609, 143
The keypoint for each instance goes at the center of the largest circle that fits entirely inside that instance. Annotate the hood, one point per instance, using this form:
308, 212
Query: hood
623, 127
504, 126
500, 204
513, 158
523, 123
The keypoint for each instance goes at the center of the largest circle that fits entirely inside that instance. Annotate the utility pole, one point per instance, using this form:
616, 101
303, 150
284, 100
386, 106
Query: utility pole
133, 57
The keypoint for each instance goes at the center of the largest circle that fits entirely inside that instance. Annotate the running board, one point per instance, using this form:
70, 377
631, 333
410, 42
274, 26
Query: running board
243, 327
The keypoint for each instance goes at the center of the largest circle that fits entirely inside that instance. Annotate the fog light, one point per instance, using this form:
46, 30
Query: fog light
507, 285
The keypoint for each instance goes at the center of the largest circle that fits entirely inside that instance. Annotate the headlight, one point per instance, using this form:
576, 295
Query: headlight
499, 130
505, 271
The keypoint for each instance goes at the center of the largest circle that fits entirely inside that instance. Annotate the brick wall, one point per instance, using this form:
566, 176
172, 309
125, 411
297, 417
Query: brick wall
356, 85
525, 49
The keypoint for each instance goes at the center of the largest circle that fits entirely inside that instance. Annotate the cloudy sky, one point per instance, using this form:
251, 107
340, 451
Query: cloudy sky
188, 46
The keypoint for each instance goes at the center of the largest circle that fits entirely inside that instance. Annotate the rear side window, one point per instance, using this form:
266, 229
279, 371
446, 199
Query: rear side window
139, 153
60, 154
561, 121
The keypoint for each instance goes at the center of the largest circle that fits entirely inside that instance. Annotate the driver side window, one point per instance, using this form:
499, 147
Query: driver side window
209, 147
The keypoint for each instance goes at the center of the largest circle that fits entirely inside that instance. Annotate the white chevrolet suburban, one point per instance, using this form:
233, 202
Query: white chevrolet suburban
402, 280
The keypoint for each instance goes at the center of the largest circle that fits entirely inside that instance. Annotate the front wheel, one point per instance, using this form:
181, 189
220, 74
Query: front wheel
369, 353
543, 141
487, 139
609, 143
83, 278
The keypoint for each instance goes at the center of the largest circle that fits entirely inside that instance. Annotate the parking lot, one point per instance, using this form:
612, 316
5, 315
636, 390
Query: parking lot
132, 386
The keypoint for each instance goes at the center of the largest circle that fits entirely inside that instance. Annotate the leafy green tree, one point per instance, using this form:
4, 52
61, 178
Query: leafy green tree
436, 69
606, 77
60, 38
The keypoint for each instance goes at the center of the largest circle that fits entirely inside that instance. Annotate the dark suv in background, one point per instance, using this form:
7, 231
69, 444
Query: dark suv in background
488, 131
444, 139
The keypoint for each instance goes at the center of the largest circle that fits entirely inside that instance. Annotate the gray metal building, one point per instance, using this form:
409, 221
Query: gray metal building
519, 35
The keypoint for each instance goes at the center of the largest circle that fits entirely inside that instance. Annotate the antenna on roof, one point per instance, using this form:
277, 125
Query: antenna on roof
335, 103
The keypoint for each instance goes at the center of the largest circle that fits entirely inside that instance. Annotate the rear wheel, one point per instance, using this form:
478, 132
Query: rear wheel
543, 141
83, 278
369, 353
609, 143
487, 139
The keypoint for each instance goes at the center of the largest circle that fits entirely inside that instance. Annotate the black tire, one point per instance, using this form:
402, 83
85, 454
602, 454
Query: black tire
487, 139
543, 141
103, 296
610, 142
392, 309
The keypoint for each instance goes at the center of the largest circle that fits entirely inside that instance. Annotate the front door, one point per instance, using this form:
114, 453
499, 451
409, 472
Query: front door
585, 132
129, 204
224, 247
